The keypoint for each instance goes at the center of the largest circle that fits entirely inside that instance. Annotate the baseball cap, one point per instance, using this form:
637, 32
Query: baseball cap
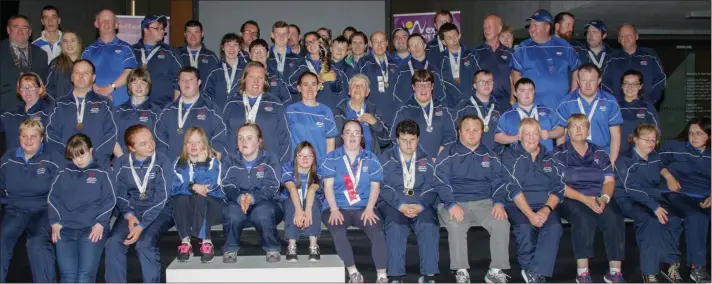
595, 23
541, 15
153, 18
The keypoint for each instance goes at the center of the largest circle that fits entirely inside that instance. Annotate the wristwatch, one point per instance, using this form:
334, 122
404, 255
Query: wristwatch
113, 86
608, 198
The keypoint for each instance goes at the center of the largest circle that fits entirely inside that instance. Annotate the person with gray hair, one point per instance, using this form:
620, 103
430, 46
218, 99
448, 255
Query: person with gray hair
375, 130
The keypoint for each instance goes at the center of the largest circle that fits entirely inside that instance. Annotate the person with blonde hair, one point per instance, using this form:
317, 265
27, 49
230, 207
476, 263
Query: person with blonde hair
26, 175
35, 105
59, 79
358, 108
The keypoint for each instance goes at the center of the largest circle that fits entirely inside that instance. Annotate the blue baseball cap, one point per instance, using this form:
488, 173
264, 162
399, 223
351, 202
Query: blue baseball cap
153, 18
541, 15
597, 24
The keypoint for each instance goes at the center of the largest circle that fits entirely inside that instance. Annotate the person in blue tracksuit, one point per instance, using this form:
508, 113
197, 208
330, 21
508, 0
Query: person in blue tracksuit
359, 48
222, 83
26, 174
496, 57
632, 56
402, 89
311, 121
249, 31
157, 57
194, 53
381, 72
197, 197
434, 118
251, 184
634, 109
295, 41
59, 79
688, 160
437, 45
190, 109
339, 48
506, 37
595, 50
600, 108
83, 111
255, 105
280, 60
590, 184
301, 201
112, 57
638, 182
81, 199
409, 204
142, 179
534, 190
352, 177
330, 84
277, 85
550, 62
140, 109
482, 104
457, 67
35, 105
508, 127
400, 54
376, 131
470, 187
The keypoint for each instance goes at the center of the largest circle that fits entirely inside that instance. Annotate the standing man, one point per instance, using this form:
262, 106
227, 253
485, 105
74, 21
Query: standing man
548, 61
632, 56
457, 67
481, 103
113, 59
595, 51
400, 44
17, 56
295, 41
158, 59
381, 73
496, 58
51, 35
436, 46
564, 28
194, 53
249, 31
281, 61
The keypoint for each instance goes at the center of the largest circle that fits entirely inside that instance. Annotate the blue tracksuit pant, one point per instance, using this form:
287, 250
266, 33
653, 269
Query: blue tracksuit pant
427, 232
39, 246
536, 247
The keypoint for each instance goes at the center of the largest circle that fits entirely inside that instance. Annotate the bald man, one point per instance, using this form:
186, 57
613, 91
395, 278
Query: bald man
380, 69
113, 59
496, 58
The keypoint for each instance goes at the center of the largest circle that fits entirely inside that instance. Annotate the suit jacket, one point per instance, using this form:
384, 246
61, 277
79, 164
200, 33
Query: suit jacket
9, 72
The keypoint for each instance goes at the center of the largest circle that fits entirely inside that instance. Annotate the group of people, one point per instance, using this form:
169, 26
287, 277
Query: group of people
340, 132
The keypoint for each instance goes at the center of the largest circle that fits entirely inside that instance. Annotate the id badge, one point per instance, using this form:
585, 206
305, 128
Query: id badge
381, 84
351, 201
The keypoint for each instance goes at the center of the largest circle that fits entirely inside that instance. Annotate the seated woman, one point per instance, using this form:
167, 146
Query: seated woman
197, 198
409, 204
352, 179
301, 202
534, 189
27, 174
82, 198
251, 183
590, 184
35, 104
638, 183
376, 133
688, 160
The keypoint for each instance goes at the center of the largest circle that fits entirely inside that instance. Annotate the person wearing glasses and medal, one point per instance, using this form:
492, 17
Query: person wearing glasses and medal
482, 104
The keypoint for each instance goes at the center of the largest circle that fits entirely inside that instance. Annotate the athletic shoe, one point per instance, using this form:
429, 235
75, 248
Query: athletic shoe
700, 275
273, 256
382, 280
462, 277
615, 277
292, 254
673, 273
650, 279
585, 278
355, 278
185, 252
230, 257
531, 277
422, 279
206, 249
499, 277
314, 254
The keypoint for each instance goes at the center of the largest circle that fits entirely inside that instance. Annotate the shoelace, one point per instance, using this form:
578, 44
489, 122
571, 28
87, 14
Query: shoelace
355, 278
292, 249
183, 248
618, 276
206, 248
461, 277
501, 277
651, 279
314, 249
674, 273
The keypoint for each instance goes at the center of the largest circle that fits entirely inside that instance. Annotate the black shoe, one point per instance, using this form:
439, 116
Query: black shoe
700, 275
673, 273
292, 254
230, 257
314, 253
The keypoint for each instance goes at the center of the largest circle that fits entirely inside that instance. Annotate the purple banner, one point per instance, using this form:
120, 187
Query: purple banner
130, 29
421, 23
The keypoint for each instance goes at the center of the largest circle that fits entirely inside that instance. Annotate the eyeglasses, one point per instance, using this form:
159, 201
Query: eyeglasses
423, 86
352, 134
483, 82
631, 85
30, 89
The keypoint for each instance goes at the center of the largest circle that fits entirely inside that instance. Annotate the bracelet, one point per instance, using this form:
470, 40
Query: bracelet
550, 209
608, 198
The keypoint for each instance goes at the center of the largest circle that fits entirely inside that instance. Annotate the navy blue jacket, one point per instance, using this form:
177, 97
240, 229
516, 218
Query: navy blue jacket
290, 63
126, 115
392, 190
157, 191
98, 124
402, 89
271, 118
372, 70
469, 64
208, 172
215, 85
602, 57
261, 180
639, 179
11, 119
689, 166
466, 107
636, 113
499, 63
80, 198
644, 60
163, 67
207, 61
378, 133
332, 93
433, 52
24, 184
535, 179
204, 114
584, 174
465, 175
58, 83
444, 132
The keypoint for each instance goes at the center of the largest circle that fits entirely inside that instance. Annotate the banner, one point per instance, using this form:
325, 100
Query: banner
130, 29
421, 23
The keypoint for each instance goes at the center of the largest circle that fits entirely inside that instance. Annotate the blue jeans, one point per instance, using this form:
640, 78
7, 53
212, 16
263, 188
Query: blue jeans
291, 231
77, 256
39, 246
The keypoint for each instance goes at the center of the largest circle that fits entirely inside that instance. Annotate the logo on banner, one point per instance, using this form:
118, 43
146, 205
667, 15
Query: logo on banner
547, 167
422, 166
485, 162
91, 178
421, 23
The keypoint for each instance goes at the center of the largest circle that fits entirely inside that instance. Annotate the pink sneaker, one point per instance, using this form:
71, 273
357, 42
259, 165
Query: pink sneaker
206, 249
185, 252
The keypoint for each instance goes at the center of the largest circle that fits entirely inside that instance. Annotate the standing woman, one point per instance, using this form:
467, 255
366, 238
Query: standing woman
688, 160
359, 44
300, 201
310, 120
375, 134
352, 181
59, 80
26, 174
82, 198
35, 105
222, 82
534, 189
254, 104
197, 198
251, 183
137, 110
330, 84
634, 109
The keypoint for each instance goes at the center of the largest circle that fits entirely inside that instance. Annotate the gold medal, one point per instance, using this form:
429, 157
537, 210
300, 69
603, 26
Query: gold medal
429, 129
486, 128
180, 131
142, 196
385, 84
457, 80
409, 192
144, 66
80, 125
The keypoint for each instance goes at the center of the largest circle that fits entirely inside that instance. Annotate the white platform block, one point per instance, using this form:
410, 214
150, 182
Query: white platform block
256, 269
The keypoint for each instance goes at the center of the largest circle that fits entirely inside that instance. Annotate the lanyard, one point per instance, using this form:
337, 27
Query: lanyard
592, 56
523, 113
429, 117
408, 172
280, 59
145, 59
231, 78
184, 117
311, 66
251, 111
590, 115
384, 72
410, 65
194, 60
80, 109
142, 185
486, 120
360, 112
300, 190
355, 179
440, 44
455, 64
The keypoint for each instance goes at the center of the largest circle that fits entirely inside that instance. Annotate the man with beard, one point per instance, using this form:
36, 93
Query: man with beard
250, 31
400, 43
295, 40
564, 28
